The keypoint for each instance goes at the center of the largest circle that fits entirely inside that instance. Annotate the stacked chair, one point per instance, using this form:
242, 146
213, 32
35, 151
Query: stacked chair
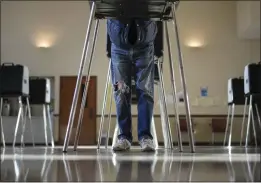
156, 10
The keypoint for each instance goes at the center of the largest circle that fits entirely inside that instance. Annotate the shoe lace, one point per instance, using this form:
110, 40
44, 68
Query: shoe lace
147, 141
122, 141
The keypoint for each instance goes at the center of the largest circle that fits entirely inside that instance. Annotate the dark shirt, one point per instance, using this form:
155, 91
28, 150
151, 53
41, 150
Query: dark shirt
132, 32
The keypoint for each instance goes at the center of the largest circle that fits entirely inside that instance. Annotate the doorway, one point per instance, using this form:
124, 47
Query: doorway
88, 130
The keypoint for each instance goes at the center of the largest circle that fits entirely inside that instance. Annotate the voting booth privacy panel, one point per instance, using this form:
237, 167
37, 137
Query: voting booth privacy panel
245, 91
16, 83
162, 11
157, 10
252, 91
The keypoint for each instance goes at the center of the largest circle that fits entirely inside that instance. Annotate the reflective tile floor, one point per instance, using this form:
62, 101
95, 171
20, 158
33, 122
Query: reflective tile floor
88, 164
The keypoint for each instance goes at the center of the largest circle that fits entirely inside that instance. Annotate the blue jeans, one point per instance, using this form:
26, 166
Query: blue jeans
123, 56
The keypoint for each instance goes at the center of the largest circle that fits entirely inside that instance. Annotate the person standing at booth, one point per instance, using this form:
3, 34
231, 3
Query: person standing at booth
132, 43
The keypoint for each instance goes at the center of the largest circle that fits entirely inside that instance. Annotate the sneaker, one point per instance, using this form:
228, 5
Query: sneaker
122, 145
147, 145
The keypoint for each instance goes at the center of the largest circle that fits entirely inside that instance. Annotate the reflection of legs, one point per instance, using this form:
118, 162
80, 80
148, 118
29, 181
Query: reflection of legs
44, 176
100, 170
191, 169
144, 171
231, 171
166, 163
20, 118
67, 169
1, 122
124, 173
180, 169
121, 79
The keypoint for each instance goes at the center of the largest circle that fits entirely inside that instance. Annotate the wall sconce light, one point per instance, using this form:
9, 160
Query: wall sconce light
44, 39
195, 43
43, 44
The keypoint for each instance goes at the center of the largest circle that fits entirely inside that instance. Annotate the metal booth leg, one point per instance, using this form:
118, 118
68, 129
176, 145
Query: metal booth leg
45, 124
248, 120
163, 119
30, 119
24, 120
231, 125
164, 105
254, 127
227, 125
154, 133
258, 115
50, 121
243, 122
27, 112
104, 105
20, 117
174, 89
1, 122
86, 86
79, 80
115, 134
109, 121
183, 81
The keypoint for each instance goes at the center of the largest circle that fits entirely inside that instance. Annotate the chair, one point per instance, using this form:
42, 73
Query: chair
14, 81
218, 126
252, 89
235, 97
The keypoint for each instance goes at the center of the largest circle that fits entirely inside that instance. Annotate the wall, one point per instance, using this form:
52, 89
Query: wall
63, 23
248, 19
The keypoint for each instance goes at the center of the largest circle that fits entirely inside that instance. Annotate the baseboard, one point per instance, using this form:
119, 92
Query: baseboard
26, 144
137, 144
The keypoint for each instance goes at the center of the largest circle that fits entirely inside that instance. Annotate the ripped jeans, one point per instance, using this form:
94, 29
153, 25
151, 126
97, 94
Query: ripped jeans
121, 70
123, 56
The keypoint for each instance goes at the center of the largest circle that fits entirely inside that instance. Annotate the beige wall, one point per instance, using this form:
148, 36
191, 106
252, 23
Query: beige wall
63, 23
248, 19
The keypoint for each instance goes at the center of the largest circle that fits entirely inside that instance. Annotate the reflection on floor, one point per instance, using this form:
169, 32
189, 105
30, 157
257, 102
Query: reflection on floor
88, 164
